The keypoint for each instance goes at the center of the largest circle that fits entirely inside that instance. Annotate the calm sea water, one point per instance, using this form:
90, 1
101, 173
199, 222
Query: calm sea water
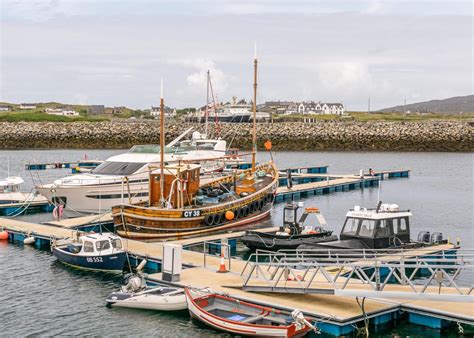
40, 296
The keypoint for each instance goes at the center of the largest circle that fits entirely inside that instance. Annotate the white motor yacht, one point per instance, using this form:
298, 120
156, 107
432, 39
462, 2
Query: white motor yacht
124, 178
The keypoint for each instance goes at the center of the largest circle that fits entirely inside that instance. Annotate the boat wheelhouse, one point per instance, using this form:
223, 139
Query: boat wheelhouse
385, 227
92, 251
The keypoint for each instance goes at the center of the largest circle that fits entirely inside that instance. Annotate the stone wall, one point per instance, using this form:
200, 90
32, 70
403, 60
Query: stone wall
322, 135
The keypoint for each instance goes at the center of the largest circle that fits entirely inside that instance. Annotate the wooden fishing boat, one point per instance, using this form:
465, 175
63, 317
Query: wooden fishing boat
179, 206
187, 209
228, 314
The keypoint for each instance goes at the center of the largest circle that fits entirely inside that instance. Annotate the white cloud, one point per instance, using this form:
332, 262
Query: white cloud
197, 80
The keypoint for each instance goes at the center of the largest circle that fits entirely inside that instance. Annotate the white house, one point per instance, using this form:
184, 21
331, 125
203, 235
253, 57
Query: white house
155, 111
28, 106
305, 108
5, 108
61, 111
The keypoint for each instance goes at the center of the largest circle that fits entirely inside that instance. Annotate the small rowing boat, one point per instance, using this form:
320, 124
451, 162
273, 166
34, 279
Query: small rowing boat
231, 315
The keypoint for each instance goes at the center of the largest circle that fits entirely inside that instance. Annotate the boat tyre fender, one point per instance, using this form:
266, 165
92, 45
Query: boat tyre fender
241, 212
209, 219
236, 213
261, 203
270, 197
255, 206
246, 211
220, 218
265, 199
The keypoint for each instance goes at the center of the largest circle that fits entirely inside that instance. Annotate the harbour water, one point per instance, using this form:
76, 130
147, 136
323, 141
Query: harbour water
40, 296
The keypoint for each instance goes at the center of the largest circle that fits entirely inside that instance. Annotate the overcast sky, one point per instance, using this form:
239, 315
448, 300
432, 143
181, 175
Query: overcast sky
114, 52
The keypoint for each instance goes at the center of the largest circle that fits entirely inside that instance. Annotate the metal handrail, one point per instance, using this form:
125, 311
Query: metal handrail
337, 275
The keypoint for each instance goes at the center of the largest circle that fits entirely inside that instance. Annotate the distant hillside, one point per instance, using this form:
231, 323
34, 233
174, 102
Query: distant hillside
453, 105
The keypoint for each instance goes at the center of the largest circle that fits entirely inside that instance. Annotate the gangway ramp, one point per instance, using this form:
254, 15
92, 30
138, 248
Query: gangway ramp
419, 274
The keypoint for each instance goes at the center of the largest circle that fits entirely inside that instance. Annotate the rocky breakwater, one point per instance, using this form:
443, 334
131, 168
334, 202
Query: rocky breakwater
321, 135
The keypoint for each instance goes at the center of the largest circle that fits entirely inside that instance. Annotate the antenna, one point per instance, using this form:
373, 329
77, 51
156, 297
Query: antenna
207, 102
254, 129
378, 191
162, 147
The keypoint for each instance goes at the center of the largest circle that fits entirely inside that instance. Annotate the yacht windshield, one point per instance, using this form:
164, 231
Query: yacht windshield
117, 168
151, 149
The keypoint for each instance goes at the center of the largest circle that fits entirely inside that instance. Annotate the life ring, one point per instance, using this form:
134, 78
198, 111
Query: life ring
209, 219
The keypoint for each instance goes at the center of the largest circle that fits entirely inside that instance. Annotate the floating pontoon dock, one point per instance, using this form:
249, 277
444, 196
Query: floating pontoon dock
333, 314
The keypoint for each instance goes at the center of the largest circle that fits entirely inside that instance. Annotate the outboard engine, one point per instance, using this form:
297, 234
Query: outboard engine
436, 237
424, 237
134, 284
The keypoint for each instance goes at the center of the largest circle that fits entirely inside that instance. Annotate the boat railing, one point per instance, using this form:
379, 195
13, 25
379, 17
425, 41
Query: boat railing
432, 276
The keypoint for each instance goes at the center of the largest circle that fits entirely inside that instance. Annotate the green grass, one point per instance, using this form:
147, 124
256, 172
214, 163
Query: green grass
37, 116
357, 116
365, 117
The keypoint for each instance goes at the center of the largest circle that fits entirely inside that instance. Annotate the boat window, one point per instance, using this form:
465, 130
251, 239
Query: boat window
383, 228
117, 168
350, 228
400, 226
88, 246
116, 243
102, 245
367, 228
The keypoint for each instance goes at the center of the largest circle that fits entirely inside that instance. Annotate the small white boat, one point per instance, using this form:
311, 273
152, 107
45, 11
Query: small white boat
136, 296
12, 200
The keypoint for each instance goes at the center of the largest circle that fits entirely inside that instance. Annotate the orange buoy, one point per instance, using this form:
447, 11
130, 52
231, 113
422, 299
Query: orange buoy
3, 235
229, 215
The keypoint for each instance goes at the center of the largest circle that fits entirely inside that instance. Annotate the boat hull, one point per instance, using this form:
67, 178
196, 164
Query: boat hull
148, 301
257, 240
93, 199
111, 262
240, 328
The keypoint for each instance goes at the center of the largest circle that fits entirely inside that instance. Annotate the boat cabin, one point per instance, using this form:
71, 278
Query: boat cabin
181, 184
378, 228
10, 184
96, 245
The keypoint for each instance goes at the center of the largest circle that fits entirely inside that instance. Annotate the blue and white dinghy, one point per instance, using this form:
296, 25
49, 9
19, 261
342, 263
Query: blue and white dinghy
92, 251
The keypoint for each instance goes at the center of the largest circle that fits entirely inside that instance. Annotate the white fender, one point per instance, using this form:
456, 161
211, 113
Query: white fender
29, 240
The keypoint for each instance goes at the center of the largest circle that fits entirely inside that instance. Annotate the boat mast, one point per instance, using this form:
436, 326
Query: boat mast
162, 147
254, 108
207, 101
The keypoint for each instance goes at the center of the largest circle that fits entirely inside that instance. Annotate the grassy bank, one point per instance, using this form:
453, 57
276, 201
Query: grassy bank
36, 116
365, 117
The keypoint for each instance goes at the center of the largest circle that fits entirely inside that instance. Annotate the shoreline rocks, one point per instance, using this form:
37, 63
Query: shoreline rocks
454, 136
